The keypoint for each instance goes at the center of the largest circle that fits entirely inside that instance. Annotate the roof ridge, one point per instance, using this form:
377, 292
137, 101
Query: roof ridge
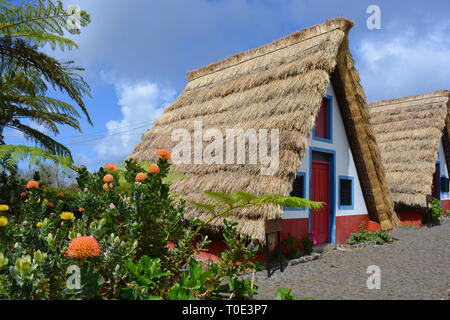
418, 97
339, 23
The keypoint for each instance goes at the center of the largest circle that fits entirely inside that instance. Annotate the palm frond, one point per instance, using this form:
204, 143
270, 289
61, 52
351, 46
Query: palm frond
41, 139
62, 76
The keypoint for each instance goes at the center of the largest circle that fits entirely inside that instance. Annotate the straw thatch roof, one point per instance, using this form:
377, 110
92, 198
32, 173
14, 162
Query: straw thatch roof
409, 131
277, 86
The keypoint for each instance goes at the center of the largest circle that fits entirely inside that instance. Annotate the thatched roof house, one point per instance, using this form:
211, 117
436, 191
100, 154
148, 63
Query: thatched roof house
409, 132
277, 86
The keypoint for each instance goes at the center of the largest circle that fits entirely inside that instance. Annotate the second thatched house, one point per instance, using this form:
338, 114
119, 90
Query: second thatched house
413, 137
305, 85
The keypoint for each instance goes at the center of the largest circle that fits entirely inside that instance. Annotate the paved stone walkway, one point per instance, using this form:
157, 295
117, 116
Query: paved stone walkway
417, 266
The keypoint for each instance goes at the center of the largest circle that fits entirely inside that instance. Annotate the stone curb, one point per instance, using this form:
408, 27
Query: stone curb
313, 256
348, 247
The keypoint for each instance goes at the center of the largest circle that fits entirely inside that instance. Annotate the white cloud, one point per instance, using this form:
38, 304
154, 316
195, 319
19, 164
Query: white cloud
407, 63
140, 104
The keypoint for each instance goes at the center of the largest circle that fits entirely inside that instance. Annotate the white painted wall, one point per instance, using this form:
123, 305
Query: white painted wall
444, 169
345, 166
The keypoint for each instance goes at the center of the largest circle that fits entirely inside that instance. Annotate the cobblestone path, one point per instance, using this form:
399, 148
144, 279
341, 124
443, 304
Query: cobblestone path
417, 266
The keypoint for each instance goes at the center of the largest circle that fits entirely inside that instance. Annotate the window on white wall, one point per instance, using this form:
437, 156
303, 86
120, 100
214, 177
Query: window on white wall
298, 189
445, 184
323, 128
346, 193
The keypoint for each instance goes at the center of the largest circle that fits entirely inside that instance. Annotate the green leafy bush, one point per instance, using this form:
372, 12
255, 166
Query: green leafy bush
379, 236
293, 247
436, 211
286, 294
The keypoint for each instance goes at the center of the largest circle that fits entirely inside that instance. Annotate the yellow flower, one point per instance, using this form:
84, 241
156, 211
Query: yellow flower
4, 207
3, 221
67, 216
39, 224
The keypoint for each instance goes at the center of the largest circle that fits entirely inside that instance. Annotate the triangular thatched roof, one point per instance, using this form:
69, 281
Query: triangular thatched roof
277, 86
409, 131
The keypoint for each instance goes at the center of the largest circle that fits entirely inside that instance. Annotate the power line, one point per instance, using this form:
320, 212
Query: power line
96, 133
126, 133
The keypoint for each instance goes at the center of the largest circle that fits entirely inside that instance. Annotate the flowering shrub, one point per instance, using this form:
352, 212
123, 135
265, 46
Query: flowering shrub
114, 232
293, 248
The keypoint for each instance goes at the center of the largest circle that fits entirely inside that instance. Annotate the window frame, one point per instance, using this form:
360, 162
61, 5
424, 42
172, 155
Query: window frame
329, 101
440, 184
299, 174
341, 206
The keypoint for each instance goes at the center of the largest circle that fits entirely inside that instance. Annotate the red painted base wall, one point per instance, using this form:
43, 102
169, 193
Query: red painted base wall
410, 218
346, 225
295, 227
445, 206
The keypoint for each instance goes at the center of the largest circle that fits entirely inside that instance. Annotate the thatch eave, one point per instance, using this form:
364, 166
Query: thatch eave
415, 125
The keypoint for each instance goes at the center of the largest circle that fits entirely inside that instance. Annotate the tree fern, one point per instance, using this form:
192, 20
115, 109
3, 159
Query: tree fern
40, 16
11, 155
26, 73
225, 204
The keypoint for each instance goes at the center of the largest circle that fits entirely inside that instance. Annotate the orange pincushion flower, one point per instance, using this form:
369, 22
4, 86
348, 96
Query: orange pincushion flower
83, 247
32, 184
81, 209
60, 195
153, 169
110, 166
105, 187
141, 177
50, 204
23, 194
163, 154
108, 178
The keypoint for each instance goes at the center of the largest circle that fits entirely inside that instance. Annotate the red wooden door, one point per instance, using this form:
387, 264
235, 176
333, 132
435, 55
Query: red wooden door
320, 192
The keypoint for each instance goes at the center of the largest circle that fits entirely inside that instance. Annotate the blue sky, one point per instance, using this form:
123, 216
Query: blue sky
137, 53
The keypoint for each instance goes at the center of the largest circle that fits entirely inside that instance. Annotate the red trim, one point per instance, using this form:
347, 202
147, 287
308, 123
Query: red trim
321, 130
410, 218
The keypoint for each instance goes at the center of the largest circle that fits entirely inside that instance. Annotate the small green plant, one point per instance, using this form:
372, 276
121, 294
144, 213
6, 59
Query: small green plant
379, 236
436, 211
286, 294
447, 214
293, 247
308, 244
